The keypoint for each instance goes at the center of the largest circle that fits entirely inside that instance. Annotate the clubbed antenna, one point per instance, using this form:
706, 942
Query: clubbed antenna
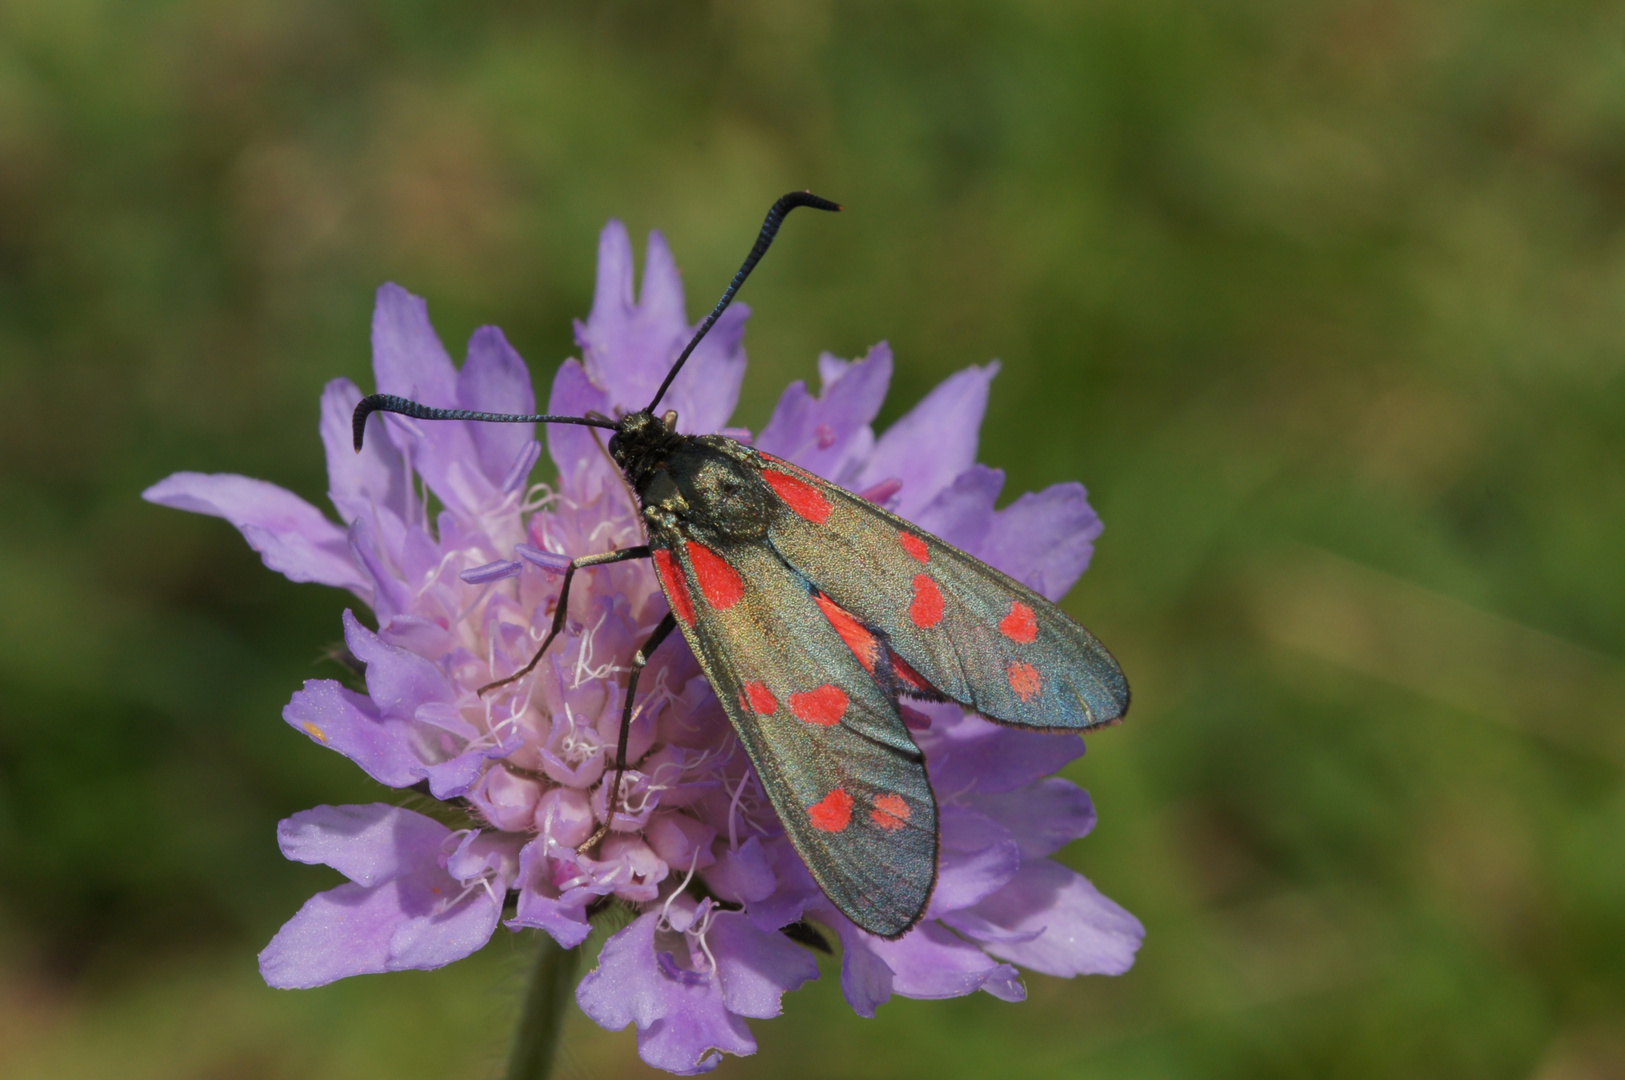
390, 403
770, 228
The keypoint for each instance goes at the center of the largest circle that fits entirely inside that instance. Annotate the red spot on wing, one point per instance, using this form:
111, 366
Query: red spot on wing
890, 812
823, 706
926, 610
1019, 626
1024, 680
760, 698
799, 495
833, 812
671, 579
863, 644
914, 546
720, 583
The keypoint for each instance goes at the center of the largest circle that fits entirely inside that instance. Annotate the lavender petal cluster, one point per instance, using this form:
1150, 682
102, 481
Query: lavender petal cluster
462, 596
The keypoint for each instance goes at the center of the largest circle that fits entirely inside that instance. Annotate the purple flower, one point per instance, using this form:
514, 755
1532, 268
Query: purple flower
464, 598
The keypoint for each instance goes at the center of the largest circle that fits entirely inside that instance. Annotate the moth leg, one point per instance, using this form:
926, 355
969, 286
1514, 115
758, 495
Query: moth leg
621, 555
639, 660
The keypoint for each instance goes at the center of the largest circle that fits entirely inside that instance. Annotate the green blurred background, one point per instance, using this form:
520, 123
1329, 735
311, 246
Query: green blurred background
1324, 301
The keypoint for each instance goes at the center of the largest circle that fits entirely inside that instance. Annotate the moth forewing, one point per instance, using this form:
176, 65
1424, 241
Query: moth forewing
828, 744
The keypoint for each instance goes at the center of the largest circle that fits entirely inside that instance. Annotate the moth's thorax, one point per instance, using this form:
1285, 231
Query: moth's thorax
707, 488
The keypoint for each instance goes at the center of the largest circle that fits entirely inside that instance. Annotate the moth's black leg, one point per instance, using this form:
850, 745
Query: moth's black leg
622, 555
666, 626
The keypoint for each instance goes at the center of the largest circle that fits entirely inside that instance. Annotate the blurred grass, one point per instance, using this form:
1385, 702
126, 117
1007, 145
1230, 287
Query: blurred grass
1324, 301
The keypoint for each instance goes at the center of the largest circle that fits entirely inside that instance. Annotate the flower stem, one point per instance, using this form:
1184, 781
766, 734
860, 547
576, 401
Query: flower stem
542, 1020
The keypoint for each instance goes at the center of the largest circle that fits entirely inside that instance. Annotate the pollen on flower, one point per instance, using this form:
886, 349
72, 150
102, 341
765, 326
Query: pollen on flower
315, 732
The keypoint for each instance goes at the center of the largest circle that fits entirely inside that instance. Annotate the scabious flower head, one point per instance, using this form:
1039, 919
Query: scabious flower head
463, 595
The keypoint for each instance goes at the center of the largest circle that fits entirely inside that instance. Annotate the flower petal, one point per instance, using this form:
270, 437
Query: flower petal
743, 875
681, 1023
757, 967
368, 844
291, 535
977, 858
934, 442
628, 347
352, 930
338, 933
707, 390
866, 980
962, 512
584, 469
462, 929
486, 855
451, 779
390, 596
931, 962
793, 889
408, 359
373, 480
495, 379
399, 681
1042, 817
348, 722
505, 800
565, 922
821, 434
541, 906
1078, 930
418, 918
1044, 539
975, 755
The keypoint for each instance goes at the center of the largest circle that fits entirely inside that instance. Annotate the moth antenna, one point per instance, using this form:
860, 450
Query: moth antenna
390, 403
770, 228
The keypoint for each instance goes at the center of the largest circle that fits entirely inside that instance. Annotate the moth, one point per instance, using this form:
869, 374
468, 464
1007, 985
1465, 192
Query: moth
816, 614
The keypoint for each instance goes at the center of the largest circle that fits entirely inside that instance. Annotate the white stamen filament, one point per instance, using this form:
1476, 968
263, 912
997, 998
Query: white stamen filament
663, 921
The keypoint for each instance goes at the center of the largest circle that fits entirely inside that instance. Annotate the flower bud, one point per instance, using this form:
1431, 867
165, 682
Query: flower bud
564, 815
505, 800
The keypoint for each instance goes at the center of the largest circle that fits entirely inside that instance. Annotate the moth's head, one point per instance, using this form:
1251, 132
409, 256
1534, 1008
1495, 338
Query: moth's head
641, 436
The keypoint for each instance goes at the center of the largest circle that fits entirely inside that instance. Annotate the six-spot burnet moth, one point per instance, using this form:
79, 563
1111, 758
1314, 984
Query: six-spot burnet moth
814, 613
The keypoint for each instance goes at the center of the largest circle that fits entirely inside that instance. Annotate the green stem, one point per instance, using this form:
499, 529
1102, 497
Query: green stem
542, 1021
